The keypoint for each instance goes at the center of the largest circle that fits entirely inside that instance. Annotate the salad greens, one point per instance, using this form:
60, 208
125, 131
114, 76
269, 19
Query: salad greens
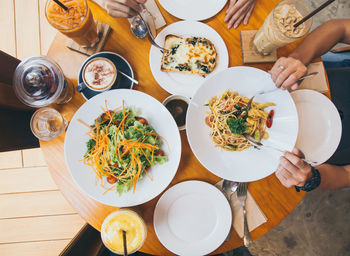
123, 147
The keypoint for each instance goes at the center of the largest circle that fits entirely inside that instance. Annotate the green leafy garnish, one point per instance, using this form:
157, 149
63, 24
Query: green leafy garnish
237, 126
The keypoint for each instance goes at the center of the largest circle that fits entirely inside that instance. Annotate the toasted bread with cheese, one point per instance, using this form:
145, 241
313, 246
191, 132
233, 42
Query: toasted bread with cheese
193, 55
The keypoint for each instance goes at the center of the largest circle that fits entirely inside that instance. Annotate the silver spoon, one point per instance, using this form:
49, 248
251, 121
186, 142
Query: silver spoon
138, 27
229, 188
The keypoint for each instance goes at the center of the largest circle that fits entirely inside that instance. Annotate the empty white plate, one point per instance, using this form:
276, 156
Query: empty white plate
193, 9
319, 125
192, 218
186, 84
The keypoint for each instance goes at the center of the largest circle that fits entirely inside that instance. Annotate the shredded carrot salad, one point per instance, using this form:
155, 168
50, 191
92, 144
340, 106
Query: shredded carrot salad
122, 147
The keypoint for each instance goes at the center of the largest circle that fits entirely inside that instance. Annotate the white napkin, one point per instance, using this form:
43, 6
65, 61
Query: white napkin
152, 7
318, 82
255, 216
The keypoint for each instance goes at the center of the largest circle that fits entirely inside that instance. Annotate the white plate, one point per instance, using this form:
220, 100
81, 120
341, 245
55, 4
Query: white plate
320, 126
193, 9
250, 164
186, 84
192, 218
158, 117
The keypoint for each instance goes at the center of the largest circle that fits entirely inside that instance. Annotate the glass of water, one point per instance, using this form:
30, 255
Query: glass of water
47, 123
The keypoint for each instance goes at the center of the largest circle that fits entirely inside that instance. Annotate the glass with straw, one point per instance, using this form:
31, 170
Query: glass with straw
74, 19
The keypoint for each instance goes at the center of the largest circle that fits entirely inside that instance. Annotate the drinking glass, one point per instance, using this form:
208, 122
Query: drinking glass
77, 22
47, 123
278, 30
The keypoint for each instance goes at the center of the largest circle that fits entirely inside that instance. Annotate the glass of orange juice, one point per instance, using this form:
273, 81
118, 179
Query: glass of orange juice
123, 220
77, 22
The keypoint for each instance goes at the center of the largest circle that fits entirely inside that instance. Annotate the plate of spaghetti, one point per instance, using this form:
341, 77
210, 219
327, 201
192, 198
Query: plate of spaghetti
220, 123
122, 148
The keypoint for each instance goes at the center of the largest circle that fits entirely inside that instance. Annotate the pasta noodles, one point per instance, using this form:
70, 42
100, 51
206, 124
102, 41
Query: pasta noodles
229, 120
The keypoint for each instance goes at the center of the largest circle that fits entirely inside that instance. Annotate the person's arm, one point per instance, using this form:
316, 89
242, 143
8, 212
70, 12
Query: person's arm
334, 177
293, 171
121, 8
287, 71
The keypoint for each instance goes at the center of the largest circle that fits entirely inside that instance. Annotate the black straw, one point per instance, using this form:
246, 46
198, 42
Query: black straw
313, 13
124, 243
62, 5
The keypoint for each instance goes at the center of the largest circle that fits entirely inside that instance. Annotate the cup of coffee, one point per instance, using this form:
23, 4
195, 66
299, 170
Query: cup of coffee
177, 106
99, 74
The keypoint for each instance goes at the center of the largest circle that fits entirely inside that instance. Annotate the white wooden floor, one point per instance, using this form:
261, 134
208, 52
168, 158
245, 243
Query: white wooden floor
35, 218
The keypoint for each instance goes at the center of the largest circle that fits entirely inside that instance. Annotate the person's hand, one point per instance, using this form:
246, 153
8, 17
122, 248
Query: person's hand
292, 170
122, 8
286, 72
238, 11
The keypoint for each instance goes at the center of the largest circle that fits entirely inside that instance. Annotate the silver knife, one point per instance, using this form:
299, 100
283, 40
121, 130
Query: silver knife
149, 19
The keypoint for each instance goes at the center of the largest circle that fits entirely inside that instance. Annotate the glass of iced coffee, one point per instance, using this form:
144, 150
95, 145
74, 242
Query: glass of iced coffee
278, 29
77, 22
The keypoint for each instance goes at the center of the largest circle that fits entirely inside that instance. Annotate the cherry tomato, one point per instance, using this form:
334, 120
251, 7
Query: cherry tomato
269, 118
209, 120
142, 120
111, 179
160, 153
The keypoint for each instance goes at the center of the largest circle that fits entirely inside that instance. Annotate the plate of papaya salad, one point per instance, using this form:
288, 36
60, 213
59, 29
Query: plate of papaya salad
122, 148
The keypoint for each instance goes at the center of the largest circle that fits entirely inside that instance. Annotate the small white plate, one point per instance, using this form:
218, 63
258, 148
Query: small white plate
250, 164
193, 9
320, 126
192, 218
158, 117
186, 84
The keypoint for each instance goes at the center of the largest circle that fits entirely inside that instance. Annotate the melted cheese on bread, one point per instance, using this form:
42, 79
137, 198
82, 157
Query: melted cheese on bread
195, 55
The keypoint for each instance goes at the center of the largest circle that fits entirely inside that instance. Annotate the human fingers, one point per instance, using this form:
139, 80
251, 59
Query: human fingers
277, 68
231, 4
293, 79
119, 14
233, 8
249, 13
141, 1
285, 177
298, 152
238, 15
123, 5
284, 75
296, 167
290, 66
238, 21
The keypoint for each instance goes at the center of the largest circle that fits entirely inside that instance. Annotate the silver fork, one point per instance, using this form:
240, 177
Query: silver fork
258, 145
242, 196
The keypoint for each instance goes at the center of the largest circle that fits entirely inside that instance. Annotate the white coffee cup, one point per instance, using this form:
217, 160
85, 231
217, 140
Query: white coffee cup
99, 75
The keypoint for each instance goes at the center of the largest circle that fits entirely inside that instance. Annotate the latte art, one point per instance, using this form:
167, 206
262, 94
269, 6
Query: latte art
100, 74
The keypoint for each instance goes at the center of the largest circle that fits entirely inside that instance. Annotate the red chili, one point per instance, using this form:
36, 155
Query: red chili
269, 118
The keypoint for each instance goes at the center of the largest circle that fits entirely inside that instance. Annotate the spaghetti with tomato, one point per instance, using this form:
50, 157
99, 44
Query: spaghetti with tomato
230, 119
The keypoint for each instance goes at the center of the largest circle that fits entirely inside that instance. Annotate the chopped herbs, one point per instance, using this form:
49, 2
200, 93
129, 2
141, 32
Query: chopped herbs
237, 126
174, 49
193, 41
212, 61
182, 67
205, 68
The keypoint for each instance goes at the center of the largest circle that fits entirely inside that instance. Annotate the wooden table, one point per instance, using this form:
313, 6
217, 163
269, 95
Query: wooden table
275, 200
